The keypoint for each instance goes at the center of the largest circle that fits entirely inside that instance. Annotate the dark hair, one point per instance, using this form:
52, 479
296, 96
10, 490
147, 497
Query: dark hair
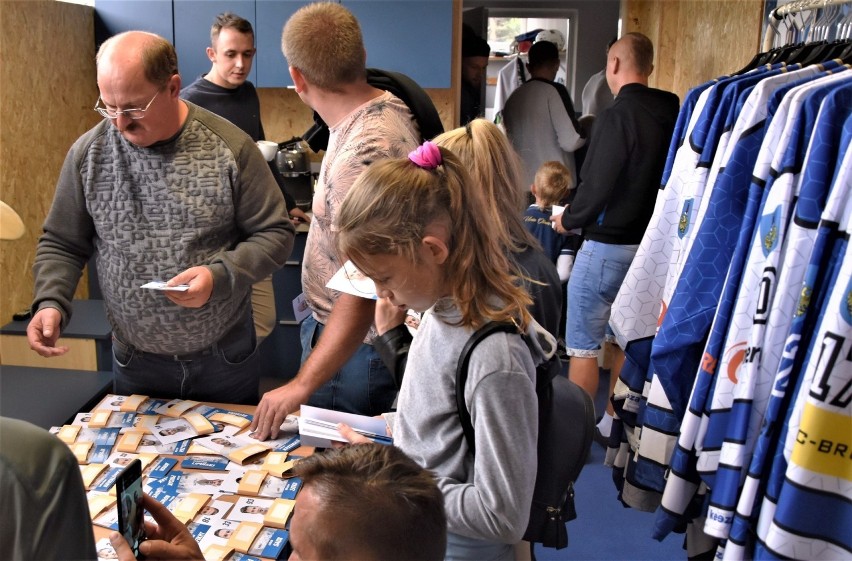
376, 491
473, 44
229, 20
543, 52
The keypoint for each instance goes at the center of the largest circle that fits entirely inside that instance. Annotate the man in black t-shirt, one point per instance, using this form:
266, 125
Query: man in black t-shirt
226, 91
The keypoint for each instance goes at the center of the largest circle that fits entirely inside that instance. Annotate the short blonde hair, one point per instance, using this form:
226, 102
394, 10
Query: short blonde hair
388, 209
323, 41
552, 182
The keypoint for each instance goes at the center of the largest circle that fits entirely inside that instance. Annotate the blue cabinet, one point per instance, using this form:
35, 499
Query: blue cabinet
409, 36
414, 37
115, 16
270, 62
193, 19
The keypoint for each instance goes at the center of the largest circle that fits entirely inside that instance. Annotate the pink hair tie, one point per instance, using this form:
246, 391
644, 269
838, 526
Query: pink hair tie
426, 156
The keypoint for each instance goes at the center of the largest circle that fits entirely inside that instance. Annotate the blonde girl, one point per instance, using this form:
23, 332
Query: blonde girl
418, 228
495, 169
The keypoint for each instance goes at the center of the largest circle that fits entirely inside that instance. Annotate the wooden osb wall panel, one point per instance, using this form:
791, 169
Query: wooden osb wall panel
696, 40
447, 103
48, 88
285, 116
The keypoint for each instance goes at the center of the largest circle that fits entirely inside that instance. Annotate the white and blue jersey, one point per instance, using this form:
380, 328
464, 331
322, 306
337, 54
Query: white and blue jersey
748, 133
659, 427
805, 252
723, 473
807, 511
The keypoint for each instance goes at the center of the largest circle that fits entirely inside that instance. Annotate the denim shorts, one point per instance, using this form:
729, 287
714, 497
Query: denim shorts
596, 278
363, 385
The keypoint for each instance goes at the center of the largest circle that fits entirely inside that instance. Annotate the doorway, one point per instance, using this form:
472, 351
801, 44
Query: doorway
500, 27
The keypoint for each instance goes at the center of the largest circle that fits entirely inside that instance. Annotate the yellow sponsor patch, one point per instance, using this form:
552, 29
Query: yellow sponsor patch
824, 442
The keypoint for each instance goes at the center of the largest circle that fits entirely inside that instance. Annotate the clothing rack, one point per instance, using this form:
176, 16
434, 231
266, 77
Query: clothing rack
792, 9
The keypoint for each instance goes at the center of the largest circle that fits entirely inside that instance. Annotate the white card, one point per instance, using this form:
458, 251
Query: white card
301, 310
173, 430
209, 483
250, 509
350, 280
112, 402
160, 285
214, 510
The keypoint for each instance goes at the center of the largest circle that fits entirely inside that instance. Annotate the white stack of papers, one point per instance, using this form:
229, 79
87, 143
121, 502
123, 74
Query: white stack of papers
318, 427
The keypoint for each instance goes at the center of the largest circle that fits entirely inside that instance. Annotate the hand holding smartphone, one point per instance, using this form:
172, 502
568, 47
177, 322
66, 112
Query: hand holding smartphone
128, 486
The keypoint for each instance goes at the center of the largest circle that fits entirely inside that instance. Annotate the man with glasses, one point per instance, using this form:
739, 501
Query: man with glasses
162, 189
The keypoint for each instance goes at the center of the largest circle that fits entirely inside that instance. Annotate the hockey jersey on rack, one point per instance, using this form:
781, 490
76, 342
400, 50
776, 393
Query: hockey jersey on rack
818, 207
807, 512
718, 371
721, 467
677, 347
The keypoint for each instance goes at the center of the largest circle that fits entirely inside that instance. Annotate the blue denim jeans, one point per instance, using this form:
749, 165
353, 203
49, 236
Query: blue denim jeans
462, 548
363, 385
224, 373
596, 278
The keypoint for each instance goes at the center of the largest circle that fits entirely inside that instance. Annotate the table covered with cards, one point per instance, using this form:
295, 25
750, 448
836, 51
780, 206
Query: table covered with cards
235, 493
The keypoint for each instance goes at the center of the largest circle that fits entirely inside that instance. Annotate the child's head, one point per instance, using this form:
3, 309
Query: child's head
495, 169
552, 183
418, 229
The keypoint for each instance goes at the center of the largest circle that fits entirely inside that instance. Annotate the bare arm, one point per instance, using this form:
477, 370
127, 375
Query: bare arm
347, 326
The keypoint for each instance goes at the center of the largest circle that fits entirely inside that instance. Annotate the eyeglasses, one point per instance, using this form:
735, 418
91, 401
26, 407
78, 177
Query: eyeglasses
129, 113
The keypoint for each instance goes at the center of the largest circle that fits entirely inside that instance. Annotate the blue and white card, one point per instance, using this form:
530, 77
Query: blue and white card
162, 468
210, 463
107, 480
291, 489
269, 542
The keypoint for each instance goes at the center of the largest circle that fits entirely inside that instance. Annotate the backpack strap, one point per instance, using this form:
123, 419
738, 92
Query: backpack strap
418, 101
461, 373
567, 102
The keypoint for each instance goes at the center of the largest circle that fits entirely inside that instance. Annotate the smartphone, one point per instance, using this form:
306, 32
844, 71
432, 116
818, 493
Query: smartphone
128, 486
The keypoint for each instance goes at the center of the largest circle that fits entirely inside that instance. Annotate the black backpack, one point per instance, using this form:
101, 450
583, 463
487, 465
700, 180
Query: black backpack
400, 85
565, 429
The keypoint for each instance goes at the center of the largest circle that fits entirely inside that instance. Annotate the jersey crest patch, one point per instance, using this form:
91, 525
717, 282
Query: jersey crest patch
769, 224
685, 215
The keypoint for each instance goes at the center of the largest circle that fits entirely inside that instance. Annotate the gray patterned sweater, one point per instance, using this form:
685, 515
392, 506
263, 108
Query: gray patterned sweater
205, 197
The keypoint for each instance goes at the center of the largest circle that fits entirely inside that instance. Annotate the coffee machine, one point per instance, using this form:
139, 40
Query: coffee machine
295, 167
